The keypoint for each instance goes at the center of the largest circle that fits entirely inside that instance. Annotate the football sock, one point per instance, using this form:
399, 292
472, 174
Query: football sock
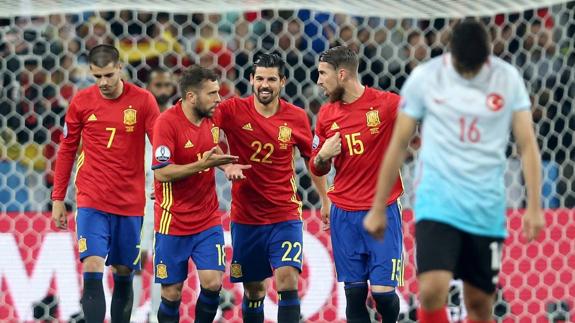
122, 299
435, 316
93, 301
169, 311
289, 307
355, 310
207, 305
253, 310
387, 305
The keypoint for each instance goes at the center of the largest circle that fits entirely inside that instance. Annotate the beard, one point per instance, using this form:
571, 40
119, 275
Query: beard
264, 101
162, 99
204, 112
336, 94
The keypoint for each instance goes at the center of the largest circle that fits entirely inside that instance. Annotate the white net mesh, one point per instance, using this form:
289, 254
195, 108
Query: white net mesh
43, 46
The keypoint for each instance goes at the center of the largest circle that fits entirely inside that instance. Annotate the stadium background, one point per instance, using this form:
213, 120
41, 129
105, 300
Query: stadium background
43, 47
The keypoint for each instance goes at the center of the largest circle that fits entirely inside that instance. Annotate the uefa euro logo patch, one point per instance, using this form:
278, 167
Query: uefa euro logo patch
163, 154
236, 270
161, 271
82, 245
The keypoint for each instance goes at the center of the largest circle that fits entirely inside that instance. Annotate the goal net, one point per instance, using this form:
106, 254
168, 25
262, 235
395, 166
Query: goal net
43, 63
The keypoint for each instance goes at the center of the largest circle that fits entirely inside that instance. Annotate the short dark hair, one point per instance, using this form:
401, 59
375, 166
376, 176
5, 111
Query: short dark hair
192, 78
270, 60
470, 44
102, 55
340, 56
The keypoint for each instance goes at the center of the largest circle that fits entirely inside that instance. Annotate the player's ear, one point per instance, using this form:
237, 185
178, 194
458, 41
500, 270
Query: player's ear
252, 78
341, 74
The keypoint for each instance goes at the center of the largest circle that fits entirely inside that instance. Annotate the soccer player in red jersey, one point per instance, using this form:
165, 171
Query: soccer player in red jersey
186, 222
352, 132
267, 229
112, 119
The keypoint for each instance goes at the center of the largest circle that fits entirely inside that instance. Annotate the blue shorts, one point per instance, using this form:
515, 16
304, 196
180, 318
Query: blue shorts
171, 254
259, 248
110, 236
358, 256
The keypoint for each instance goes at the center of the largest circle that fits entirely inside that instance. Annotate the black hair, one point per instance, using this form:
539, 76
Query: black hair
340, 56
270, 60
192, 78
102, 55
470, 45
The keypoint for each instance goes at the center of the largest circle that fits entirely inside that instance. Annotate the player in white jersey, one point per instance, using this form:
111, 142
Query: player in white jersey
467, 102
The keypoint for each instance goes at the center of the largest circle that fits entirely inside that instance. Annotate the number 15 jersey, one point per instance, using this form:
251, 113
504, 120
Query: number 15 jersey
269, 192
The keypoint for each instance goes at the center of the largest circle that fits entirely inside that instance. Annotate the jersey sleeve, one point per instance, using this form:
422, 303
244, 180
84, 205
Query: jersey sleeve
69, 142
520, 99
164, 143
317, 142
152, 113
412, 102
304, 139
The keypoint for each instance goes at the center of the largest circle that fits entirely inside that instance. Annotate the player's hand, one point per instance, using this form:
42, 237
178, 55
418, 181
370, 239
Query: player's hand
331, 147
212, 159
533, 222
235, 172
60, 215
325, 212
375, 223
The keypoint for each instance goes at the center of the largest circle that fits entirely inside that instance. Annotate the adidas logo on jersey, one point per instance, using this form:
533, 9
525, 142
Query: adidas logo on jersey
92, 117
248, 126
188, 144
334, 126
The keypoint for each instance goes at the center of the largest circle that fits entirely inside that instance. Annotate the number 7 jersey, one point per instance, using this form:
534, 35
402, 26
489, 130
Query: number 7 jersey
269, 192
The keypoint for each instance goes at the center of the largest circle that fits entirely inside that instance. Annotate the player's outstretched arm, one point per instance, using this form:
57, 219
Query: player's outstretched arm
376, 221
211, 158
533, 220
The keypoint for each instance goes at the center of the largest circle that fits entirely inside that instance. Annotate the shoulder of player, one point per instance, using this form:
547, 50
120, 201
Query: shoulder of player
168, 117
499, 64
135, 90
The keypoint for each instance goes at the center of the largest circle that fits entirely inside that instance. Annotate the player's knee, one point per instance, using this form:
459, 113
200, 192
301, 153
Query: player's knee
93, 264
172, 292
121, 270
479, 307
433, 289
286, 278
212, 282
255, 290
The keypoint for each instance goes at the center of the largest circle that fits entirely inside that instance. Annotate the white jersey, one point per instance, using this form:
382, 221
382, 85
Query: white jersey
465, 132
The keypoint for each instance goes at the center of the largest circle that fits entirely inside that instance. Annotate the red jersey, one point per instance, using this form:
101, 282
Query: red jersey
269, 193
186, 206
110, 170
365, 127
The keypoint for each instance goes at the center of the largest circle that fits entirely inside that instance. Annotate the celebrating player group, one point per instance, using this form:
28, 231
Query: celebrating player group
466, 102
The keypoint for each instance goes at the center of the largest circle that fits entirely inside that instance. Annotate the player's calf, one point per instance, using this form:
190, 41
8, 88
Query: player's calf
355, 296
122, 297
209, 297
169, 311
288, 304
93, 300
253, 302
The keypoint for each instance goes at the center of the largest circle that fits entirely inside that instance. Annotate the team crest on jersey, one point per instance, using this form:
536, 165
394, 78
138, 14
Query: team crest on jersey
82, 245
163, 154
236, 270
373, 121
495, 102
216, 134
284, 136
130, 118
161, 271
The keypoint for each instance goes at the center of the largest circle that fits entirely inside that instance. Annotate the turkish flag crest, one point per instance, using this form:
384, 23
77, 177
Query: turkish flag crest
495, 102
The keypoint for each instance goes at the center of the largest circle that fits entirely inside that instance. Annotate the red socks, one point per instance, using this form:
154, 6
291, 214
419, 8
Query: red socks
436, 316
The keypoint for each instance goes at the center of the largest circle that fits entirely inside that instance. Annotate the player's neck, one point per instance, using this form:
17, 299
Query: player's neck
191, 115
267, 110
353, 92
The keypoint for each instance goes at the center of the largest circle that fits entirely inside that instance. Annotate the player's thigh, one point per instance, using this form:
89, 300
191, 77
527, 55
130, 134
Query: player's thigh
481, 261
250, 261
171, 255
125, 241
386, 261
349, 250
93, 233
286, 245
438, 246
209, 255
